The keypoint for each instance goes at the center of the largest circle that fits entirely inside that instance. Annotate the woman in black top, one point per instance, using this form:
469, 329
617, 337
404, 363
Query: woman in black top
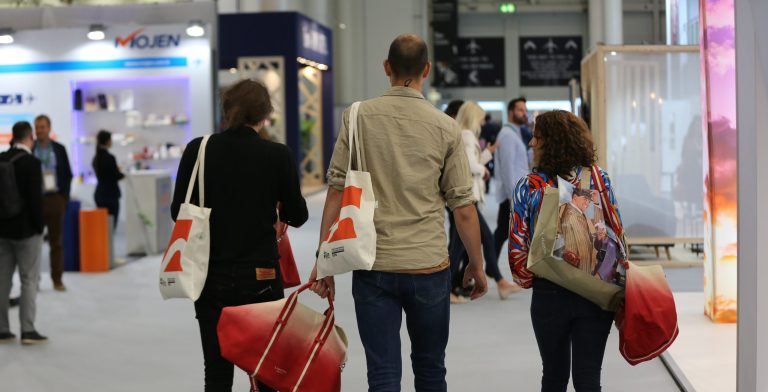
245, 178
107, 193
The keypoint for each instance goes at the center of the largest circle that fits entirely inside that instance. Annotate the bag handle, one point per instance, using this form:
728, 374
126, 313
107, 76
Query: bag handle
285, 314
354, 136
198, 173
609, 209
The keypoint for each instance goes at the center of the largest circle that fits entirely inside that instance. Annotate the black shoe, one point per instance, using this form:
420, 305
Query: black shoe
14, 301
33, 338
7, 337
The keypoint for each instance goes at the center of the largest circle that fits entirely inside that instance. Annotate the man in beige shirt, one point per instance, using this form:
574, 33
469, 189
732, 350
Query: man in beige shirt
417, 163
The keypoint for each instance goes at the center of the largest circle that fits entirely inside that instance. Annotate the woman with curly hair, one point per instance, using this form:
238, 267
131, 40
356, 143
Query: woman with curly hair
571, 331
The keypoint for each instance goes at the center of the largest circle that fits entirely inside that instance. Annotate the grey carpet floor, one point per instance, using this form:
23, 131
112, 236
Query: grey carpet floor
113, 332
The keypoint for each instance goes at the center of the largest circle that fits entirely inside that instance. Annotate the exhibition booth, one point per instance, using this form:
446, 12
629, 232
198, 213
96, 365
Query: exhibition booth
149, 85
292, 55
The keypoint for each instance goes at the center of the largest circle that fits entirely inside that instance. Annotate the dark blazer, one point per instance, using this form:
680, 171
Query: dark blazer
63, 170
245, 177
29, 179
107, 174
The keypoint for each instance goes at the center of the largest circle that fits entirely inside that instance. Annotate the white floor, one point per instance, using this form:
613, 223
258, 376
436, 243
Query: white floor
113, 332
704, 348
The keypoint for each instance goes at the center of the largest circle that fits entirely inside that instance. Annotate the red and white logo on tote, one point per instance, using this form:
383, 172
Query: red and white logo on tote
179, 237
345, 228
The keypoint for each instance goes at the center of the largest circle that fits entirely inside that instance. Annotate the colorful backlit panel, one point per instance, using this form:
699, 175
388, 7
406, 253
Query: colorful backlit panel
720, 158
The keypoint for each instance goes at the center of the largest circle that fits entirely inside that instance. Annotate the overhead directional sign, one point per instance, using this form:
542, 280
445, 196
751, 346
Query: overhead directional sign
480, 62
549, 61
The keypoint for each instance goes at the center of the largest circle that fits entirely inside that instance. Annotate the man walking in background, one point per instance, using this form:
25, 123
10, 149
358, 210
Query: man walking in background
510, 164
417, 163
21, 229
57, 179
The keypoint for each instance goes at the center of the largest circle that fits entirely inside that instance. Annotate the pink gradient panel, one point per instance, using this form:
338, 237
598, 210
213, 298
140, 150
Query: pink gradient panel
718, 64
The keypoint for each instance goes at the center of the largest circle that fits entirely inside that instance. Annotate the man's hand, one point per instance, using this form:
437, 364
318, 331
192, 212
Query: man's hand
486, 175
476, 276
325, 287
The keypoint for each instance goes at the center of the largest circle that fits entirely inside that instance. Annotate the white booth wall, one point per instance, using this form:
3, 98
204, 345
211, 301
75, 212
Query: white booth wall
752, 101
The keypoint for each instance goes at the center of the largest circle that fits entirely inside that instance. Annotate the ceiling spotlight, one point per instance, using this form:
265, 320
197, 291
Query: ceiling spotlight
6, 36
96, 32
196, 28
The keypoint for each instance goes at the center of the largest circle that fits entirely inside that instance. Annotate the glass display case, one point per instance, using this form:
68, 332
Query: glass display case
643, 104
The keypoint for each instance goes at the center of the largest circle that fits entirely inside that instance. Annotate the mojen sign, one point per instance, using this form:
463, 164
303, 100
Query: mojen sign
137, 40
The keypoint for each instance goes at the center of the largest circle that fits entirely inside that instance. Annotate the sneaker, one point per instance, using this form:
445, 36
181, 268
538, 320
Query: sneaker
7, 337
14, 301
33, 338
59, 286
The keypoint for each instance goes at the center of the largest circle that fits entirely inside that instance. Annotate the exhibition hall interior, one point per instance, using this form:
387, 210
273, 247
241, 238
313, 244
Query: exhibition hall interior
157, 155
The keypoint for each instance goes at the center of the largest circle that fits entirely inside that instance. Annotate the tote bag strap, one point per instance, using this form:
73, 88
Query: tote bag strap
198, 173
354, 136
609, 210
584, 179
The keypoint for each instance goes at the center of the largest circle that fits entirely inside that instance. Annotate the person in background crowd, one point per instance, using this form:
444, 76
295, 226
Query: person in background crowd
470, 118
245, 178
571, 331
488, 133
21, 237
107, 194
57, 180
511, 163
417, 160
458, 291
519, 120
453, 108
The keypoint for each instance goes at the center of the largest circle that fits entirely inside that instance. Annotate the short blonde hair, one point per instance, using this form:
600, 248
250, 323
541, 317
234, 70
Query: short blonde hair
471, 117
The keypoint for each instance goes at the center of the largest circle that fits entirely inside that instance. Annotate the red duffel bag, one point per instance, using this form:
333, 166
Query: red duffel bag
285, 344
648, 325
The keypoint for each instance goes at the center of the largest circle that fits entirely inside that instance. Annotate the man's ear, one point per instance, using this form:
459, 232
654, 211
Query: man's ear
387, 68
427, 68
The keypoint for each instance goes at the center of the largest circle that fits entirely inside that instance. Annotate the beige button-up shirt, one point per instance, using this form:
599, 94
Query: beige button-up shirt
418, 164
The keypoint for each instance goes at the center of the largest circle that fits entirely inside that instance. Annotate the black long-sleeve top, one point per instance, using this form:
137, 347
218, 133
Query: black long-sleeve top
29, 182
245, 178
107, 174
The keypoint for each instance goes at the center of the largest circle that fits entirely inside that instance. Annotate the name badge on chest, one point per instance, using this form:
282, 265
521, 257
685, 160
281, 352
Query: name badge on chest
49, 182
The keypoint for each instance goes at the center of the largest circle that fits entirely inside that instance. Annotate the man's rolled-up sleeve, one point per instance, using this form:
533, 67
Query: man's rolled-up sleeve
456, 180
337, 169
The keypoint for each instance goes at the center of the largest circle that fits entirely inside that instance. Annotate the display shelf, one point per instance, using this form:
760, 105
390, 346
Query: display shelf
136, 101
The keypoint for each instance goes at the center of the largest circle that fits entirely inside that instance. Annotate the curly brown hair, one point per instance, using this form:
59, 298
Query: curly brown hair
566, 143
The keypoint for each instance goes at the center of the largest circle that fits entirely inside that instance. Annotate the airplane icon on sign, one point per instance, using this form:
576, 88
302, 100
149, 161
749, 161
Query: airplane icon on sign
550, 46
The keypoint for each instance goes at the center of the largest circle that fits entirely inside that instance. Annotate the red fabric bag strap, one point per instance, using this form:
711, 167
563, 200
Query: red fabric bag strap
610, 213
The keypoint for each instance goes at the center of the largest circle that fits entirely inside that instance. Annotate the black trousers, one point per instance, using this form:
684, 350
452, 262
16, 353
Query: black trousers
501, 234
230, 285
457, 253
571, 333
111, 204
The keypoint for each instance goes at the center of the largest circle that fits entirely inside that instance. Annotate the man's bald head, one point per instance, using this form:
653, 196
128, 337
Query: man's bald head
408, 55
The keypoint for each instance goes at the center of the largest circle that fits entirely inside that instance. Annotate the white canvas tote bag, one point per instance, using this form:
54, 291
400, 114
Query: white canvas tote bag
350, 244
185, 261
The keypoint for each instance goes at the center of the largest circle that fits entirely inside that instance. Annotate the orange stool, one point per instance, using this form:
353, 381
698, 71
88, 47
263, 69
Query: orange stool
94, 240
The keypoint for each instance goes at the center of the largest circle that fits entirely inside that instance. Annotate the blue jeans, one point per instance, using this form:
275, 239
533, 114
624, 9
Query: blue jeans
380, 299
